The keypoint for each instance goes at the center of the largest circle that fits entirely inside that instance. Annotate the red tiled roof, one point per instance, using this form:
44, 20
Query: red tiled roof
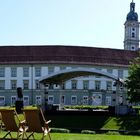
65, 54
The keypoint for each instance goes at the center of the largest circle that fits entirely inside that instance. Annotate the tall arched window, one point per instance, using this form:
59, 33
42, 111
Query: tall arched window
133, 35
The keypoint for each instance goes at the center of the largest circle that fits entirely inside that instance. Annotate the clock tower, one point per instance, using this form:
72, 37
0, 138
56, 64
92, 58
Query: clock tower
131, 37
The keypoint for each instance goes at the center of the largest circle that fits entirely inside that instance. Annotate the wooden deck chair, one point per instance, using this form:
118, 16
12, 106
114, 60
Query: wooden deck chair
1, 123
8, 118
36, 122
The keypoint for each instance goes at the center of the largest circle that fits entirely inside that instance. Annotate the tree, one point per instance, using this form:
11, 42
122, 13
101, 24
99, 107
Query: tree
133, 81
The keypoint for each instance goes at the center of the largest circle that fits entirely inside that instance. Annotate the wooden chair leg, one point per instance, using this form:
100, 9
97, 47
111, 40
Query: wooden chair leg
24, 134
49, 136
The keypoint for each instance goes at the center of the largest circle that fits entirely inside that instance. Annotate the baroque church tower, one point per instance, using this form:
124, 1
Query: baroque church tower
131, 37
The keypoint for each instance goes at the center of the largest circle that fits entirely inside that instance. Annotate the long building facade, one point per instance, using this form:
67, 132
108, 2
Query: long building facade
23, 66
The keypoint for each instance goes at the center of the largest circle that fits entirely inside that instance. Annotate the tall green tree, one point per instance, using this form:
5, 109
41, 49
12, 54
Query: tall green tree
133, 81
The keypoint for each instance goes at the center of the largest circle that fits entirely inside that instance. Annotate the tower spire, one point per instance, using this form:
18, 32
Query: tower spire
131, 38
132, 6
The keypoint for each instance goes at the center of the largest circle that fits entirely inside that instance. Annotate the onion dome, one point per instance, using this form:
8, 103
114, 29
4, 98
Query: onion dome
132, 15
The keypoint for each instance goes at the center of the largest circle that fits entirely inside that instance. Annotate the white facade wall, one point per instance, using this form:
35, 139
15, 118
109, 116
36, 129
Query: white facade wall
56, 68
125, 74
80, 84
7, 78
103, 85
68, 85
91, 84
44, 71
32, 78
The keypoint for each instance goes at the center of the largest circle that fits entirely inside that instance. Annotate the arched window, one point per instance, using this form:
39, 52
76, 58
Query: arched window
133, 35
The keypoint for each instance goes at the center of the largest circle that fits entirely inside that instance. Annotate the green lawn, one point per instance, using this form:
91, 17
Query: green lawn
92, 137
91, 122
64, 136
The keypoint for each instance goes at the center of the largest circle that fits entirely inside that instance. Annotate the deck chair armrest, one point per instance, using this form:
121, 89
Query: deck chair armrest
47, 126
22, 123
47, 122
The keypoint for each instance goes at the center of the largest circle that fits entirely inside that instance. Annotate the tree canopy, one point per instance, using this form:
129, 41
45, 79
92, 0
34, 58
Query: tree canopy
133, 81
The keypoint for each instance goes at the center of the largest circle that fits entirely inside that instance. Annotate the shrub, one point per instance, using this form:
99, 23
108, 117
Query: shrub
60, 130
88, 132
86, 107
135, 133
112, 133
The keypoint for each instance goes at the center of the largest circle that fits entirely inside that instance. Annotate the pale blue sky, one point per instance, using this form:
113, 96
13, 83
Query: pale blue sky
97, 23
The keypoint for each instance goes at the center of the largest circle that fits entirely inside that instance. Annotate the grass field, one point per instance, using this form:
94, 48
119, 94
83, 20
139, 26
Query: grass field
92, 137
62, 136
90, 122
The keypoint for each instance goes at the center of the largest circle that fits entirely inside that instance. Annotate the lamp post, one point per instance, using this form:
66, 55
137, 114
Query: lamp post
19, 102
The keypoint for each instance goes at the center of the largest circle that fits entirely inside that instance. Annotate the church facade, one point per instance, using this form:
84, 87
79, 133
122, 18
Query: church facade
23, 66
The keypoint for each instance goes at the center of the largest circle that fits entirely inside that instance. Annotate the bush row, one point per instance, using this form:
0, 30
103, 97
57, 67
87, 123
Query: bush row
135, 132
86, 107
60, 130
63, 130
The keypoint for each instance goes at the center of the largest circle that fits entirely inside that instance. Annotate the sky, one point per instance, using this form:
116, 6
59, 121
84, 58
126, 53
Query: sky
95, 23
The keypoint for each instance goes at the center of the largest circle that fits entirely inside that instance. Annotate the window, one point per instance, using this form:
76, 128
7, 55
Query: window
133, 35
37, 72
38, 100
108, 85
74, 84
99, 69
13, 100
120, 99
50, 99
13, 84
73, 100
26, 100
109, 71
97, 99
62, 68
25, 84
51, 86
63, 85
37, 84
85, 84
62, 99
50, 70
56, 85
120, 74
2, 84
2, 100
85, 100
2, 72
108, 100
13, 72
97, 85
25, 72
